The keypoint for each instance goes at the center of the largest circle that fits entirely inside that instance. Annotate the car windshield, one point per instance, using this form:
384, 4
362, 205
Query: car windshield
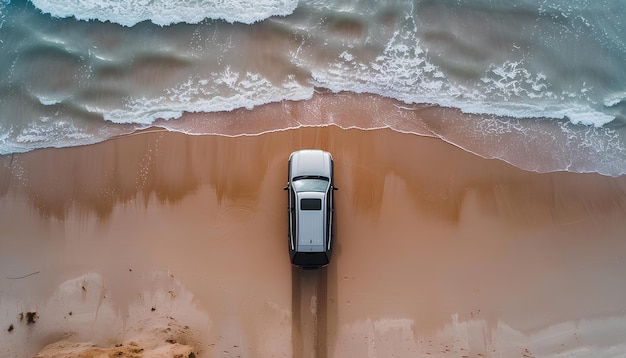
303, 184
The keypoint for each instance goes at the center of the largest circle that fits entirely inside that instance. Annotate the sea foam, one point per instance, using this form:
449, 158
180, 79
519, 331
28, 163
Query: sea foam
508, 89
167, 12
224, 92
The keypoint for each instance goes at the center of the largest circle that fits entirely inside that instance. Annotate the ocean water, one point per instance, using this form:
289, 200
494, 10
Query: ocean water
539, 84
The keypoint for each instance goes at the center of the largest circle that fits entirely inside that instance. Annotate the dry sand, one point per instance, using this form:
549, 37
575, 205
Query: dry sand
171, 244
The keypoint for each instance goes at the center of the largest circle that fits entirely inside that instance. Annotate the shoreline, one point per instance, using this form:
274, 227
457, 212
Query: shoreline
534, 144
439, 250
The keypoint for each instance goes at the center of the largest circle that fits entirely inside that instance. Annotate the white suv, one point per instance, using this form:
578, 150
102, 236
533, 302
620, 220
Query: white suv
311, 208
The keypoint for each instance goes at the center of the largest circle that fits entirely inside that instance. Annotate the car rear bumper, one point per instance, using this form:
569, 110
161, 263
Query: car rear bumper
310, 260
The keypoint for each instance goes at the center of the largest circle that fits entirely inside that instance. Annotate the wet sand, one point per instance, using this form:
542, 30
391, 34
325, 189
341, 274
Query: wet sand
161, 239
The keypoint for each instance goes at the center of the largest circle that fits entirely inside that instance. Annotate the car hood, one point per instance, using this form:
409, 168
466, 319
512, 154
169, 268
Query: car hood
310, 163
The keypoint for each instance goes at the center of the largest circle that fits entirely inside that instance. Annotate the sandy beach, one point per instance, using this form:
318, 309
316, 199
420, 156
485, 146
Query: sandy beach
163, 244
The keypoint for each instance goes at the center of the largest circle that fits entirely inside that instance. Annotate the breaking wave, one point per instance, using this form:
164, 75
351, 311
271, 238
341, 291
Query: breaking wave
167, 12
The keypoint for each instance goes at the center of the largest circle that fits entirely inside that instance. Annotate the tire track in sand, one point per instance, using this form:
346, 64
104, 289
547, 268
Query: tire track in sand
309, 311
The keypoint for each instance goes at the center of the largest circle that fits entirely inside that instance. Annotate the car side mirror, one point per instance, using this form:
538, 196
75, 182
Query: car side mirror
286, 187
335, 188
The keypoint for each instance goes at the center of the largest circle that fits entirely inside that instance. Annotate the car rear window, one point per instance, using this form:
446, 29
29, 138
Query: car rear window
311, 204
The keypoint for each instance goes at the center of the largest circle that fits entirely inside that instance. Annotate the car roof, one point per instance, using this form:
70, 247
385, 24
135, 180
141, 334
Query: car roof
310, 162
311, 225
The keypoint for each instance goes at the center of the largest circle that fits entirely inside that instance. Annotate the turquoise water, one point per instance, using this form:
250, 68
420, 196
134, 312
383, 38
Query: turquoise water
535, 79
